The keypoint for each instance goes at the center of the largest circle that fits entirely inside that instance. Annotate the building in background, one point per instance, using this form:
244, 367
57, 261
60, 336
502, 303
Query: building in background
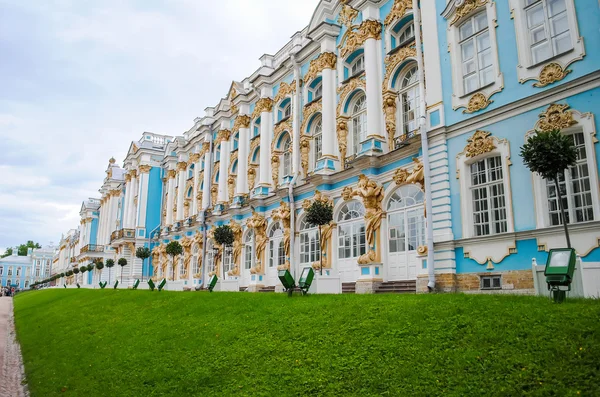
335, 116
22, 271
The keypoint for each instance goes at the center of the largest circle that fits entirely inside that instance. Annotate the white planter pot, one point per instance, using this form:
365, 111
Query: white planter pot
174, 286
325, 285
227, 286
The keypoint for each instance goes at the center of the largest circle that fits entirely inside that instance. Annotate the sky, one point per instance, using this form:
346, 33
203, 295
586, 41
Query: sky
81, 79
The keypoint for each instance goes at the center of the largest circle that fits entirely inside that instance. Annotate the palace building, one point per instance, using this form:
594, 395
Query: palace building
408, 120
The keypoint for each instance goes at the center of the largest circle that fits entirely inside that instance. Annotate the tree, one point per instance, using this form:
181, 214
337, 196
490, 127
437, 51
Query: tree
22, 249
174, 249
8, 252
549, 154
319, 213
109, 264
142, 253
99, 266
83, 269
122, 262
76, 272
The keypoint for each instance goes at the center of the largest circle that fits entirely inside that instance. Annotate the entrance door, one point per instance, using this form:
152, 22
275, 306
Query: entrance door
276, 254
406, 232
351, 240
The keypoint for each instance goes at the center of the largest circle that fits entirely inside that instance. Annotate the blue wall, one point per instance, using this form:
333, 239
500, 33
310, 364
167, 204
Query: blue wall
94, 231
155, 186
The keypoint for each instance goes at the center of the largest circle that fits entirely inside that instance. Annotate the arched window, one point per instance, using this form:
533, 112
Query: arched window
310, 250
276, 246
358, 65
406, 220
181, 267
236, 141
218, 153
351, 230
195, 259
191, 171
359, 121
405, 35
248, 250
318, 92
287, 156
256, 128
317, 139
409, 101
287, 111
210, 257
227, 259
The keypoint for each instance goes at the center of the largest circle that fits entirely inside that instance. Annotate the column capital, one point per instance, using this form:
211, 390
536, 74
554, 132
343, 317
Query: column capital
327, 60
144, 169
263, 105
127, 177
172, 174
194, 158
115, 192
182, 166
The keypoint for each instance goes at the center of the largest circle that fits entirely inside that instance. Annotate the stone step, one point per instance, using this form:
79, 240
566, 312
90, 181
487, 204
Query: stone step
397, 287
348, 288
267, 289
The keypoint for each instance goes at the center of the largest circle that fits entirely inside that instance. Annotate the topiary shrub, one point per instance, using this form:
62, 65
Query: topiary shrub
174, 249
224, 235
122, 262
319, 214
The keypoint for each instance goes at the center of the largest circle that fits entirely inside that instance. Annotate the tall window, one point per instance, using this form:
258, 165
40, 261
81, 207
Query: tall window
195, 259
18, 271
236, 141
406, 222
10, 271
359, 121
248, 251
287, 111
318, 139
548, 25
310, 250
181, 267
1, 271
8, 282
575, 189
405, 35
476, 53
287, 156
218, 153
488, 197
409, 101
276, 247
358, 65
318, 92
227, 259
37, 272
210, 258
351, 231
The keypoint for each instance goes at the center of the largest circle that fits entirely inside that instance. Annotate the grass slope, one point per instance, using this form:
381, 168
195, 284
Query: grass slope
138, 343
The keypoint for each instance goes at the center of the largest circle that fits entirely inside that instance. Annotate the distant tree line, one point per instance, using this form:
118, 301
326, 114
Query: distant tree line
21, 249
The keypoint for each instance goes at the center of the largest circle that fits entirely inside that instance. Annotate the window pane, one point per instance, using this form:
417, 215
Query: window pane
466, 30
535, 16
556, 7
481, 21
541, 52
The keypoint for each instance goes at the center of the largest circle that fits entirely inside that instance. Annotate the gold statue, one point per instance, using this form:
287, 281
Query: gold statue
258, 223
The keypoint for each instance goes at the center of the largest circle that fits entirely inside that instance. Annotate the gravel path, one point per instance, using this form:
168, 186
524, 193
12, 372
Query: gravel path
11, 363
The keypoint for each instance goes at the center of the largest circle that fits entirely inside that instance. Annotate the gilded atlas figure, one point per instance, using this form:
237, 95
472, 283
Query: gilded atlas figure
283, 214
198, 239
372, 197
258, 223
217, 251
326, 230
156, 262
236, 228
187, 242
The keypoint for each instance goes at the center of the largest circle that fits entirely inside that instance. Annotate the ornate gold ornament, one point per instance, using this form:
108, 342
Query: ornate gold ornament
115, 192
275, 168
327, 60
481, 142
231, 187
392, 62
372, 196
205, 148
254, 143
326, 230
144, 169
233, 109
222, 135
556, 117
285, 90
214, 191
199, 198
304, 152
342, 136
186, 243
241, 121
172, 174
400, 176
283, 215
551, 73
309, 111
232, 92
133, 174
347, 16
369, 29
347, 89
281, 128
465, 8
477, 102
251, 176
258, 224
182, 166
233, 158
194, 158
389, 110
236, 228
112, 160
186, 208
127, 177
398, 10
263, 105
422, 250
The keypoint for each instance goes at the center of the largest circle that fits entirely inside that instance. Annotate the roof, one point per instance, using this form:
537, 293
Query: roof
14, 259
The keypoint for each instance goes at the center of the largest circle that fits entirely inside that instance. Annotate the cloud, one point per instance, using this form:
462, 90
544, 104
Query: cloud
81, 80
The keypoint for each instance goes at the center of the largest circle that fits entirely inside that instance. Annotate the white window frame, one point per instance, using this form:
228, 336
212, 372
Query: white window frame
460, 98
317, 140
400, 106
306, 246
286, 157
463, 165
585, 124
526, 69
396, 36
361, 135
249, 250
360, 59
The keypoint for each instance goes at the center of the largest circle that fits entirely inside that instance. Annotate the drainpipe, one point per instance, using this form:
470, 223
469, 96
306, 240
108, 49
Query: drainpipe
203, 215
296, 148
425, 147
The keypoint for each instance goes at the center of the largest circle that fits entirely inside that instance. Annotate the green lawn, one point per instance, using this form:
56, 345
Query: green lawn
142, 343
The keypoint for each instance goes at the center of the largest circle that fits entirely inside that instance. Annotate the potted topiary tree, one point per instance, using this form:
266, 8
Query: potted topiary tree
99, 267
76, 272
122, 262
319, 213
174, 249
549, 154
142, 253
223, 235
83, 269
109, 264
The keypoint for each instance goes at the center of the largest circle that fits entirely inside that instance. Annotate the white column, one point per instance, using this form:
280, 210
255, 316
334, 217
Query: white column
143, 195
207, 179
374, 95
170, 198
224, 171
101, 222
266, 131
329, 99
195, 159
114, 208
242, 170
126, 200
131, 219
181, 168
